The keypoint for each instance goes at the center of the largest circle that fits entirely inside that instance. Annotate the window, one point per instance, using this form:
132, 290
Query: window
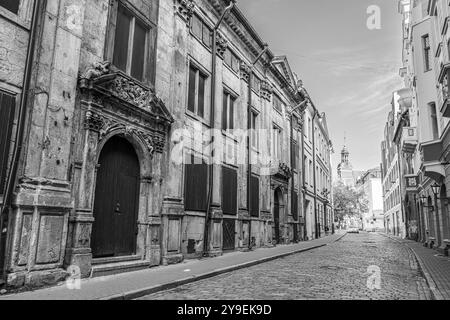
228, 111
255, 135
196, 98
130, 43
11, 5
201, 31
7, 110
196, 185
232, 61
277, 104
229, 191
254, 197
427, 52
434, 121
306, 170
276, 143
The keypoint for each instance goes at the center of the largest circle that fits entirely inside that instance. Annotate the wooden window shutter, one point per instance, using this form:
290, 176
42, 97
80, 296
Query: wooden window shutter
139, 44
196, 185
224, 111
122, 38
229, 191
7, 110
254, 197
192, 85
295, 205
201, 95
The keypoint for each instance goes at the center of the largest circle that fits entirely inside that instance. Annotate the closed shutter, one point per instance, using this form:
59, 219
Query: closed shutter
295, 206
196, 185
229, 191
255, 197
7, 108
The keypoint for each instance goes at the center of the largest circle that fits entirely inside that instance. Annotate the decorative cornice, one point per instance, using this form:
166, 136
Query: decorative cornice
107, 83
185, 9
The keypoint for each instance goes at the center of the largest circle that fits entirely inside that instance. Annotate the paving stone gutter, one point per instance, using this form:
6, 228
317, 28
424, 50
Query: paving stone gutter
174, 284
435, 293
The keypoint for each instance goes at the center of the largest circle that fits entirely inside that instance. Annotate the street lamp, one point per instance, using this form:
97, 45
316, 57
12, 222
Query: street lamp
436, 189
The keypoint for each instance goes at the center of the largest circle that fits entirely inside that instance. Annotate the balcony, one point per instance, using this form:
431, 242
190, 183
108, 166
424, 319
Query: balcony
405, 99
431, 160
409, 140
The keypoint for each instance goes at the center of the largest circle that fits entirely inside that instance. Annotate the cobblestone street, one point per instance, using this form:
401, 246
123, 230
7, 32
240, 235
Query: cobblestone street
337, 271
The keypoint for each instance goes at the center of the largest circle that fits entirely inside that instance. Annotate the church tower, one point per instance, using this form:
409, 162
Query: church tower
345, 168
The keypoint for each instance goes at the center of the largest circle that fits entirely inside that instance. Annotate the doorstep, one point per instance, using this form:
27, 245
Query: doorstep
108, 269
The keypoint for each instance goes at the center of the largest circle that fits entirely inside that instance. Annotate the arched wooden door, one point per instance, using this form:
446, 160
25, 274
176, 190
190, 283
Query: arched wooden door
116, 200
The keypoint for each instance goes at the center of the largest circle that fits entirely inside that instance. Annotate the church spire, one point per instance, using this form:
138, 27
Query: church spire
345, 153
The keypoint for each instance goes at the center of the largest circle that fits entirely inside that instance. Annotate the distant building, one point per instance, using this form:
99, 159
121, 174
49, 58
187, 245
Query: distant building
370, 182
346, 174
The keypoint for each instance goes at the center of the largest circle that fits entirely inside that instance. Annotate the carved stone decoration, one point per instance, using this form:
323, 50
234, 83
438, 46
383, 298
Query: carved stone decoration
245, 71
93, 121
222, 45
266, 90
132, 107
98, 69
185, 8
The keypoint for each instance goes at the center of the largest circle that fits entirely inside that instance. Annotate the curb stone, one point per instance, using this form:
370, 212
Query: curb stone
130, 295
435, 294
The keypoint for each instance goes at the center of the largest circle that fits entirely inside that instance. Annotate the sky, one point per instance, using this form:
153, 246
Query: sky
349, 70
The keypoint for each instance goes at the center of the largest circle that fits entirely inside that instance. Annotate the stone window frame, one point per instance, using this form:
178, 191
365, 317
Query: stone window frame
207, 96
149, 76
23, 17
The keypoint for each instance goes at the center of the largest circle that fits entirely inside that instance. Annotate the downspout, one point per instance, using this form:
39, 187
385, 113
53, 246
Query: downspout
315, 174
212, 120
10, 184
23, 103
249, 143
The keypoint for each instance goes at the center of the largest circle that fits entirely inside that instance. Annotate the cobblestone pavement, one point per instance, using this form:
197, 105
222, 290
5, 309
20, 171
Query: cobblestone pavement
340, 271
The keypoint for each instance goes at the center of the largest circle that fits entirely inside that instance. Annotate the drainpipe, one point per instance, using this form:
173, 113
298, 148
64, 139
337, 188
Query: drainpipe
24, 97
292, 162
249, 143
212, 119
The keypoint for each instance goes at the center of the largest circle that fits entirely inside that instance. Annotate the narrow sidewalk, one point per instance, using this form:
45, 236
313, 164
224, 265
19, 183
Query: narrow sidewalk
435, 267
140, 283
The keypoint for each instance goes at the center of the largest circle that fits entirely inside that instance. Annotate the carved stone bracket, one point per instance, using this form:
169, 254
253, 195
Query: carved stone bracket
245, 71
266, 90
93, 121
222, 45
185, 9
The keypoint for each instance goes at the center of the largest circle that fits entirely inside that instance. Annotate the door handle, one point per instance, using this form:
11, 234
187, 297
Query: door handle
117, 208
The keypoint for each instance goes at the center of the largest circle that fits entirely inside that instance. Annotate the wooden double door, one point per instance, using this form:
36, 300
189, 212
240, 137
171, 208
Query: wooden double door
116, 200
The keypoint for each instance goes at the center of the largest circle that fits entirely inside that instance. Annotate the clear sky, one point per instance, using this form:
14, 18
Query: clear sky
349, 71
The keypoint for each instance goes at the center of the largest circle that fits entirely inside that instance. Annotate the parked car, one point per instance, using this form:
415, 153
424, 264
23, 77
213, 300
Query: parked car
353, 230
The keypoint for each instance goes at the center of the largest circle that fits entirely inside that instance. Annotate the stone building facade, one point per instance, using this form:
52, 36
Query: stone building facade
137, 150
422, 124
